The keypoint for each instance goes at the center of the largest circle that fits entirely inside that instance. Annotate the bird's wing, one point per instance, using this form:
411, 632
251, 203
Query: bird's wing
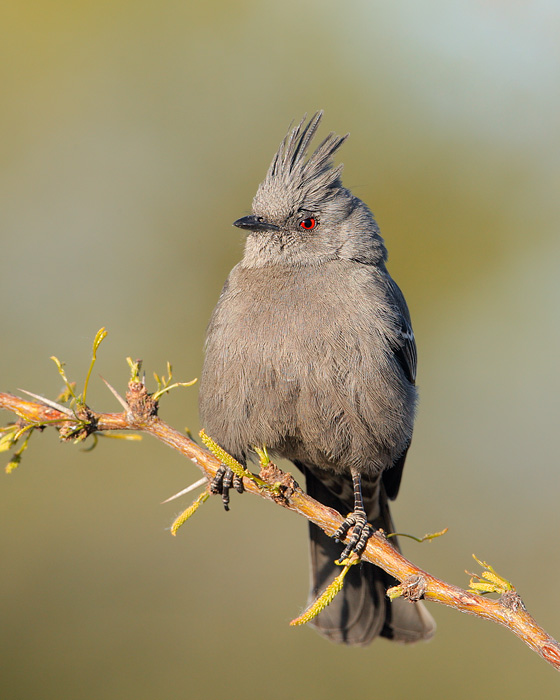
405, 354
405, 347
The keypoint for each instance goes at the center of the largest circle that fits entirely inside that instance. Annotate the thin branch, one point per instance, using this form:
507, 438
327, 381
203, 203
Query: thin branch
508, 610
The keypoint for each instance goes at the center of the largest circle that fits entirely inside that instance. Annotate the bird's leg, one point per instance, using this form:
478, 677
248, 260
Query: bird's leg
223, 482
357, 520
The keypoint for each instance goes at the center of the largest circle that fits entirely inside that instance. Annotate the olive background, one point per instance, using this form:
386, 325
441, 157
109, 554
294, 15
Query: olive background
132, 135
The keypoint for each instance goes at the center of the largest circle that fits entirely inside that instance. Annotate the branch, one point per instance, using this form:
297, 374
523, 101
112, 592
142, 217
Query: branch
274, 485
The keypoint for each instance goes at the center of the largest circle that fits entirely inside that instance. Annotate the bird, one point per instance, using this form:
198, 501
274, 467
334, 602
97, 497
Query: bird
310, 353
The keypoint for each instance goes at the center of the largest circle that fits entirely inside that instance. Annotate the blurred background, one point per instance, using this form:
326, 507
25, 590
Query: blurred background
133, 134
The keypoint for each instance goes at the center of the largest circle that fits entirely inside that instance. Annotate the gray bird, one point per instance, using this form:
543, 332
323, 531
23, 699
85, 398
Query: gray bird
310, 352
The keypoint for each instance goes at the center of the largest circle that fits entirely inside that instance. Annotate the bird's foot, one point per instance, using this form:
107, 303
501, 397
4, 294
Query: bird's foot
224, 480
361, 532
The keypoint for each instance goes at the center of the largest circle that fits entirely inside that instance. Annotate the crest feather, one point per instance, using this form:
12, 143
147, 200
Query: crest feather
310, 181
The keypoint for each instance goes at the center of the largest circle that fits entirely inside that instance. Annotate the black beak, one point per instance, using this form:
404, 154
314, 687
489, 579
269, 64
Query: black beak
255, 223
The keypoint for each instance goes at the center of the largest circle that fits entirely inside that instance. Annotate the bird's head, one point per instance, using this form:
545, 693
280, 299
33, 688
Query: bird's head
302, 215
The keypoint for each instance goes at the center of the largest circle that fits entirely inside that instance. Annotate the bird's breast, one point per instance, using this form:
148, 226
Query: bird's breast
297, 358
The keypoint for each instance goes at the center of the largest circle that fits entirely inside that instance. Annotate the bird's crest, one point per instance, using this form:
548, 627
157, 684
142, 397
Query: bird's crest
293, 180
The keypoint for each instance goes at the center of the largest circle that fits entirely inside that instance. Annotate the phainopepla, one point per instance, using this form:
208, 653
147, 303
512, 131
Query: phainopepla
310, 352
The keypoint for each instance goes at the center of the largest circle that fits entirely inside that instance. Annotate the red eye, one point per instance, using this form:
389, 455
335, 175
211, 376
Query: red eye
308, 224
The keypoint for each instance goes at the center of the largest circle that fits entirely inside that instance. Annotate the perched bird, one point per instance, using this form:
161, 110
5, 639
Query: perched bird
310, 353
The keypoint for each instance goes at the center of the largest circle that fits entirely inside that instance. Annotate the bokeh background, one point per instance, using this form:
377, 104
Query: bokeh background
132, 135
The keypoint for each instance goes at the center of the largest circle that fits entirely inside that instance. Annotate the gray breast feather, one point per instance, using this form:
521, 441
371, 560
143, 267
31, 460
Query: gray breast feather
329, 398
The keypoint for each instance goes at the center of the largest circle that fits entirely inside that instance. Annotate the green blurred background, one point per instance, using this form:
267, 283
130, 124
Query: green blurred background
133, 134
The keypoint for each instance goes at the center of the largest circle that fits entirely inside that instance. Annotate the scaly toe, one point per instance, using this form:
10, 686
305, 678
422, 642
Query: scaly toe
223, 482
361, 532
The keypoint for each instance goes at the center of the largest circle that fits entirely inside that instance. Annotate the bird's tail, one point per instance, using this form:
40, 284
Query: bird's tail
361, 611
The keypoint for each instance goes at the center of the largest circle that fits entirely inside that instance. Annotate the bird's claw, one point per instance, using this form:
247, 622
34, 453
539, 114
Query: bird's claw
361, 532
224, 480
